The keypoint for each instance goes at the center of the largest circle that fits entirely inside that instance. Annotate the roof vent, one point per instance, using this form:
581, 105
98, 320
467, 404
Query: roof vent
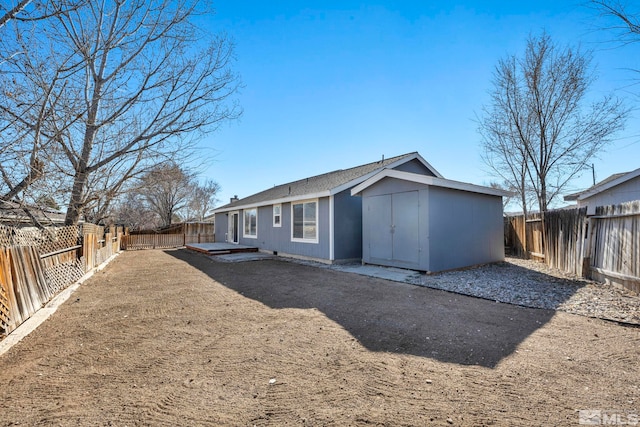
234, 199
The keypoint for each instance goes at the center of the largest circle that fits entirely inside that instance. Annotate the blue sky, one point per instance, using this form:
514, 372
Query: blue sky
335, 84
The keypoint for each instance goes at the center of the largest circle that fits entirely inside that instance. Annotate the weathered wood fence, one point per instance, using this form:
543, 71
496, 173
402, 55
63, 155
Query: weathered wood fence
604, 247
174, 236
35, 265
162, 241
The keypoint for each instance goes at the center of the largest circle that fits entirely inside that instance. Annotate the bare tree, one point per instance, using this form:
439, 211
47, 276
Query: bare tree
203, 199
132, 211
628, 22
538, 130
126, 85
167, 190
9, 14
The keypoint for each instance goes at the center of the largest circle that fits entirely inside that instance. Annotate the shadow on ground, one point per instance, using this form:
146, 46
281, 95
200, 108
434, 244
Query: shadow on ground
383, 315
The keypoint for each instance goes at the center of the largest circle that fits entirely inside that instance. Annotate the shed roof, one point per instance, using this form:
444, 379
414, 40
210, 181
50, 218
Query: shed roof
607, 183
322, 185
428, 180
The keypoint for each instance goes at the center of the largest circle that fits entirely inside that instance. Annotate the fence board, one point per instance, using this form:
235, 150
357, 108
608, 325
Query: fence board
162, 241
615, 254
605, 247
37, 264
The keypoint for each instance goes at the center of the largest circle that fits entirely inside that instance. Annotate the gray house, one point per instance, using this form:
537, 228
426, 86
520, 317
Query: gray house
313, 218
429, 223
395, 212
616, 189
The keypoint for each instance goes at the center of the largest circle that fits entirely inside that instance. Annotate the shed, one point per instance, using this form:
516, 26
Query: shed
429, 223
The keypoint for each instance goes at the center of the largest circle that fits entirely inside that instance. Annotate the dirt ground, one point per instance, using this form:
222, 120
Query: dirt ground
175, 338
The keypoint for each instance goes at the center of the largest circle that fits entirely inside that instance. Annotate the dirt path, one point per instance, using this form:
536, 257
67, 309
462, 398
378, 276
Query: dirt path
174, 338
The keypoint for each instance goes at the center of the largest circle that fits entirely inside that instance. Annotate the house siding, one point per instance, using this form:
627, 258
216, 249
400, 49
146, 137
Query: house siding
347, 212
625, 192
278, 239
221, 227
414, 166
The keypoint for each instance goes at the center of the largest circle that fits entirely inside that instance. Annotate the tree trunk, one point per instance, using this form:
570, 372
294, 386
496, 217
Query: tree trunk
74, 208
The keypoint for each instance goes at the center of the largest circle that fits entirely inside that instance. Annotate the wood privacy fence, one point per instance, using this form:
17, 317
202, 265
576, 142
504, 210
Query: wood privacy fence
162, 241
174, 236
604, 247
35, 265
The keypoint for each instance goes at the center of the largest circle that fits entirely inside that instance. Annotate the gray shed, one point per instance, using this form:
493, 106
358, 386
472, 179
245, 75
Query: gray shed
429, 223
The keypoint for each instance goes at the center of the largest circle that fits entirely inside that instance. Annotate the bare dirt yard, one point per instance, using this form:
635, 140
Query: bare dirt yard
175, 338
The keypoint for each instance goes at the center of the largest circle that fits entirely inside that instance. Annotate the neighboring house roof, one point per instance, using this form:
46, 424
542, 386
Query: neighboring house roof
604, 185
322, 185
428, 180
13, 213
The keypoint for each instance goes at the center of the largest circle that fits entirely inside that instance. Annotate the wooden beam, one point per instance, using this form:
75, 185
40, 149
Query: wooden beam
615, 275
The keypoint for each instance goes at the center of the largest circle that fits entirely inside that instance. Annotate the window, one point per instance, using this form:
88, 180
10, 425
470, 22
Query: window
304, 218
277, 215
251, 223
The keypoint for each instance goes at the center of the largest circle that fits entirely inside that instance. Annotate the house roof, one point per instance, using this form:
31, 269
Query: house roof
604, 185
322, 185
13, 213
428, 180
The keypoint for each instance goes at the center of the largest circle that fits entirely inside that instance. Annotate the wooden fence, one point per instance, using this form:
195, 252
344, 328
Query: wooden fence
35, 265
174, 236
614, 254
162, 241
605, 247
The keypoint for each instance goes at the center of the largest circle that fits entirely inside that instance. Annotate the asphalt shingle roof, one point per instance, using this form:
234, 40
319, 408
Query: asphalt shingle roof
315, 184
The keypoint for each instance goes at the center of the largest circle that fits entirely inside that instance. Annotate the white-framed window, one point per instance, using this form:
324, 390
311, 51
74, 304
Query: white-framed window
304, 221
251, 223
277, 215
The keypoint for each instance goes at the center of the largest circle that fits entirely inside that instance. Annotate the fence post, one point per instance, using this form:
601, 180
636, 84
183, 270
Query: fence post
586, 257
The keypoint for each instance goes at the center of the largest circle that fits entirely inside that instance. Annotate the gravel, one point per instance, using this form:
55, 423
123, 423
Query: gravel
531, 284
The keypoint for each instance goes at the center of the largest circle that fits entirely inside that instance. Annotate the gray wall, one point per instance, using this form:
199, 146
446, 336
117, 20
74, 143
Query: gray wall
270, 238
625, 192
414, 166
347, 226
221, 227
453, 228
465, 229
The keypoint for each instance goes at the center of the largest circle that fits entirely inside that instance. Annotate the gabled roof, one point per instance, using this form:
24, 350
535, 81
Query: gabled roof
322, 185
428, 180
604, 185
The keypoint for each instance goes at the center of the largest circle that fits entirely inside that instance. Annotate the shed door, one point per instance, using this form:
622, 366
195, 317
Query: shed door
393, 227
406, 239
380, 236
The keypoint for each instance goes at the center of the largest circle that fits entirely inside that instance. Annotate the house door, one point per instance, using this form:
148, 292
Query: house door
393, 227
233, 232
